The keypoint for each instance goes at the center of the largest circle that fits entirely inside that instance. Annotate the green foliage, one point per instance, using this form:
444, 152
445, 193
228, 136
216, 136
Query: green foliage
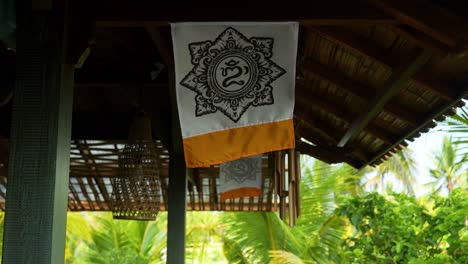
340, 223
401, 230
204, 238
450, 167
249, 237
97, 238
458, 125
100, 239
264, 238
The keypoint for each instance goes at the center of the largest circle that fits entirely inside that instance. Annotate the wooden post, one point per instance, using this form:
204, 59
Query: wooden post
177, 170
177, 186
37, 197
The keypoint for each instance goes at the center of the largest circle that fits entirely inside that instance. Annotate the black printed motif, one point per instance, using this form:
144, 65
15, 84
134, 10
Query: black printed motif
232, 73
241, 170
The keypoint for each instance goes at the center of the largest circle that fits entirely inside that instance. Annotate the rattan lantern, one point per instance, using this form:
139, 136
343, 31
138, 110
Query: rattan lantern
136, 190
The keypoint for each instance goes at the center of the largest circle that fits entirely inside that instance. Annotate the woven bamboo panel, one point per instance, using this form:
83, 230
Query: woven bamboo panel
94, 165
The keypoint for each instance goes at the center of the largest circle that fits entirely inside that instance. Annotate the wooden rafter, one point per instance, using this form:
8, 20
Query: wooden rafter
326, 154
361, 46
421, 40
90, 161
162, 45
392, 86
340, 111
357, 89
427, 18
76, 197
410, 135
310, 125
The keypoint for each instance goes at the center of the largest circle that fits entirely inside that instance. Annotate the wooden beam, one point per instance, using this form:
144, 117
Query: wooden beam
162, 43
305, 22
427, 18
361, 46
101, 125
310, 125
116, 85
306, 125
414, 133
326, 154
114, 125
392, 86
90, 162
95, 125
305, 99
148, 13
421, 40
352, 86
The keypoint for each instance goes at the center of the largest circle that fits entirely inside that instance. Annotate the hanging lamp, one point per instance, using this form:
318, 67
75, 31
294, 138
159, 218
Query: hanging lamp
136, 190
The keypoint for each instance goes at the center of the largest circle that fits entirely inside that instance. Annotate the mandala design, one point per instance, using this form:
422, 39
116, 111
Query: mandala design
231, 73
242, 169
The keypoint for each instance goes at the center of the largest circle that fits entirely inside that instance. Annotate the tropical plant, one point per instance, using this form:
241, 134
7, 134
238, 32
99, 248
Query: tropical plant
264, 238
118, 241
78, 231
204, 241
249, 237
399, 229
458, 125
450, 169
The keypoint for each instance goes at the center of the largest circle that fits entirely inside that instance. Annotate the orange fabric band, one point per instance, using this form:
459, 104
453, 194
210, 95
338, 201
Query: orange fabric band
222, 146
241, 192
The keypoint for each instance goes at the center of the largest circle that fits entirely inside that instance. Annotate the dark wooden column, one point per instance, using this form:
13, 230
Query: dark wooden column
177, 171
36, 202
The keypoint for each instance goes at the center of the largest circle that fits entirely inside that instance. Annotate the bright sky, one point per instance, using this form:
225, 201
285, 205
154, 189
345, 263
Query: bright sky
423, 149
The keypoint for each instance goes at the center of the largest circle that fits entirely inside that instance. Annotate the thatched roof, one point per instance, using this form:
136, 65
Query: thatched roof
371, 75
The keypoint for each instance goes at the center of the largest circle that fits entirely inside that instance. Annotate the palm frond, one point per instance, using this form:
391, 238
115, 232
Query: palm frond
458, 126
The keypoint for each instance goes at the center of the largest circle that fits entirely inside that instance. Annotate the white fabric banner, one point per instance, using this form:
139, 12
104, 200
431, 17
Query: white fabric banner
235, 88
233, 74
240, 178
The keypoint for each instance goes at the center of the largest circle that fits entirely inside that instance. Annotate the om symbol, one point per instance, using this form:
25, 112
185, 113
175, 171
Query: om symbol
232, 72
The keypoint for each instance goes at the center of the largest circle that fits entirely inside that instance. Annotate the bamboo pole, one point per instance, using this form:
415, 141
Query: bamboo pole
275, 181
298, 181
292, 187
282, 183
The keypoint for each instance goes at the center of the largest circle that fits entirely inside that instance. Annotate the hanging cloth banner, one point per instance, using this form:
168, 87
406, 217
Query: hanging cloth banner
235, 89
240, 178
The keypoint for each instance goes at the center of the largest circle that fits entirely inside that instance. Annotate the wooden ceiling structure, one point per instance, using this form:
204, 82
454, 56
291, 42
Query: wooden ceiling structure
371, 75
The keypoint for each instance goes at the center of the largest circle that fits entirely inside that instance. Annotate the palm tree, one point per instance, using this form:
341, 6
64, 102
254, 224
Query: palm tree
458, 124
401, 166
450, 169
